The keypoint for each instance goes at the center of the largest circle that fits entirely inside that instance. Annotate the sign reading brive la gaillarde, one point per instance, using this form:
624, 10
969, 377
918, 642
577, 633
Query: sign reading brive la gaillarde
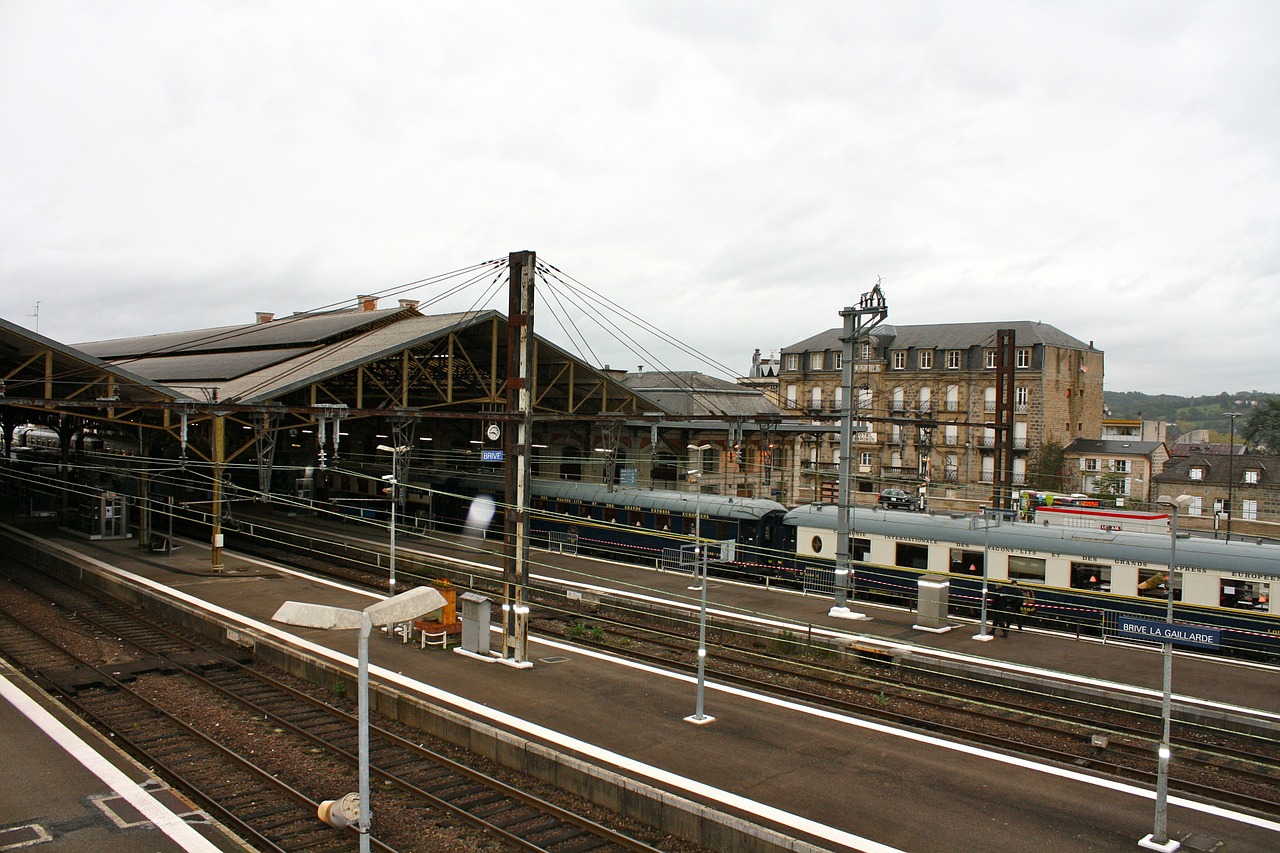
1175, 632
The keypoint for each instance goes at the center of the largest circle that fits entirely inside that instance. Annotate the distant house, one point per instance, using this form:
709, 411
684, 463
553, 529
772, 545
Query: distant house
1118, 466
1245, 485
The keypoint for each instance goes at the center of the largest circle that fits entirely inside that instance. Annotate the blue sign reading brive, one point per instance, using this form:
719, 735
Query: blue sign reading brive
491, 456
1173, 632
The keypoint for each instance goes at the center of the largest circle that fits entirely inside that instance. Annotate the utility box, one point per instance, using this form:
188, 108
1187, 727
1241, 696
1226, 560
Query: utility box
931, 608
475, 623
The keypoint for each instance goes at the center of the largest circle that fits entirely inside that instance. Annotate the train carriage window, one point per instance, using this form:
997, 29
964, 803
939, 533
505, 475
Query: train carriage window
1030, 569
861, 550
912, 556
1091, 576
1245, 595
1152, 584
610, 513
662, 521
966, 562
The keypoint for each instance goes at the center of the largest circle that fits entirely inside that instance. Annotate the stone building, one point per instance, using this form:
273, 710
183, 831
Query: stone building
1245, 485
1121, 468
927, 397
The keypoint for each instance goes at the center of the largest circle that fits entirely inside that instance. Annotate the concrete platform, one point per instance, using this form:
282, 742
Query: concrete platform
828, 780
66, 789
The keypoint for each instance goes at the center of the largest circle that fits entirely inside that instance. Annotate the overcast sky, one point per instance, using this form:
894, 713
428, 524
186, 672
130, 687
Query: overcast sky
734, 172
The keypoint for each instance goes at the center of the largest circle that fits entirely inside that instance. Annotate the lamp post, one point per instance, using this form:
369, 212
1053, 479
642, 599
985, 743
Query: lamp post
395, 498
1231, 472
988, 522
700, 563
404, 607
1159, 837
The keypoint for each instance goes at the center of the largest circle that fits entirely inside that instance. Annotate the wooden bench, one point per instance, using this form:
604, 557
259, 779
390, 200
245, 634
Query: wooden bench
437, 633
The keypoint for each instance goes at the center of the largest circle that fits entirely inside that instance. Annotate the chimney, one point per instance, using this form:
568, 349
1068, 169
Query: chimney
409, 303
265, 316
368, 303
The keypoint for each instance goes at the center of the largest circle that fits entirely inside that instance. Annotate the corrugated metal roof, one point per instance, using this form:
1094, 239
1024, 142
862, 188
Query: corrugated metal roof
293, 331
687, 392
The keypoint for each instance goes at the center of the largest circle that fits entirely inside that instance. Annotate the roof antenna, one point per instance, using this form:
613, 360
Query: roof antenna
36, 314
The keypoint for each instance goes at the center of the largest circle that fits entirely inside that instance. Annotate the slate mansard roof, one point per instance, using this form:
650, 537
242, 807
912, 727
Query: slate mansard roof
947, 336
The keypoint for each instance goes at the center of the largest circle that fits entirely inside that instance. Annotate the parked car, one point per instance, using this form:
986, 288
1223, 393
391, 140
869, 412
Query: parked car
898, 499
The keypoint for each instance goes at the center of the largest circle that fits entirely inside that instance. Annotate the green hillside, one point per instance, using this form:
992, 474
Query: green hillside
1189, 413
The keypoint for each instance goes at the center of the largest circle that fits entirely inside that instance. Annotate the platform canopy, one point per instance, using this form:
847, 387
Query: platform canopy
287, 373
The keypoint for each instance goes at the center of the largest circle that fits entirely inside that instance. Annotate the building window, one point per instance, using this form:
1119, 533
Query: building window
899, 398
900, 360
953, 398
838, 358
926, 359
791, 396
989, 359
1249, 510
953, 359
1194, 508
839, 404
1251, 477
1021, 396
1196, 473
816, 393
926, 399
865, 397
793, 361
1089, 464
1122, 466
1022, 357
866, 351
815, 361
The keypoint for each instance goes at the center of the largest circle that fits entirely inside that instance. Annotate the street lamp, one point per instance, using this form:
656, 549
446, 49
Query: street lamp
700, 562
404, 607
395, 496
988, 522
1159, 838
1231, 472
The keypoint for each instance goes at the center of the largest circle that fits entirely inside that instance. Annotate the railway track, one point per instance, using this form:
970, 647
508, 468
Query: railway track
134, 677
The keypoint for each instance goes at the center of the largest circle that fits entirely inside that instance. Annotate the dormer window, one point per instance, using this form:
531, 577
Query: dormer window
1196, 473
1251, 477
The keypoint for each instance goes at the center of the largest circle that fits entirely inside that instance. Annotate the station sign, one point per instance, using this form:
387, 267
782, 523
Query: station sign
491, 456
1173, 632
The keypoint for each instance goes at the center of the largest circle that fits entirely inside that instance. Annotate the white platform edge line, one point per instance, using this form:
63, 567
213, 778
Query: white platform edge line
152, 809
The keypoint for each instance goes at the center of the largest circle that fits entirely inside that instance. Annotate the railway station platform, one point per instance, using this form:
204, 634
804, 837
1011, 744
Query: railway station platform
67, 789
817, 780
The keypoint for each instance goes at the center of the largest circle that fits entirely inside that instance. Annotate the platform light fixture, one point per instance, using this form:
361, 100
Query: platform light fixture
700, 568
395, 498
988, 522
404, 607
1159, 837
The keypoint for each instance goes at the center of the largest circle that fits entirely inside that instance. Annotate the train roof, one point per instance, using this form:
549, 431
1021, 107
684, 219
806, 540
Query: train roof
1245, 556
660, 500
726, 506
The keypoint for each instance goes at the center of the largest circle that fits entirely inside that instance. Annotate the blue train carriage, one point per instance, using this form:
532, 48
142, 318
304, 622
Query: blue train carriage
653, 526
1072, 579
